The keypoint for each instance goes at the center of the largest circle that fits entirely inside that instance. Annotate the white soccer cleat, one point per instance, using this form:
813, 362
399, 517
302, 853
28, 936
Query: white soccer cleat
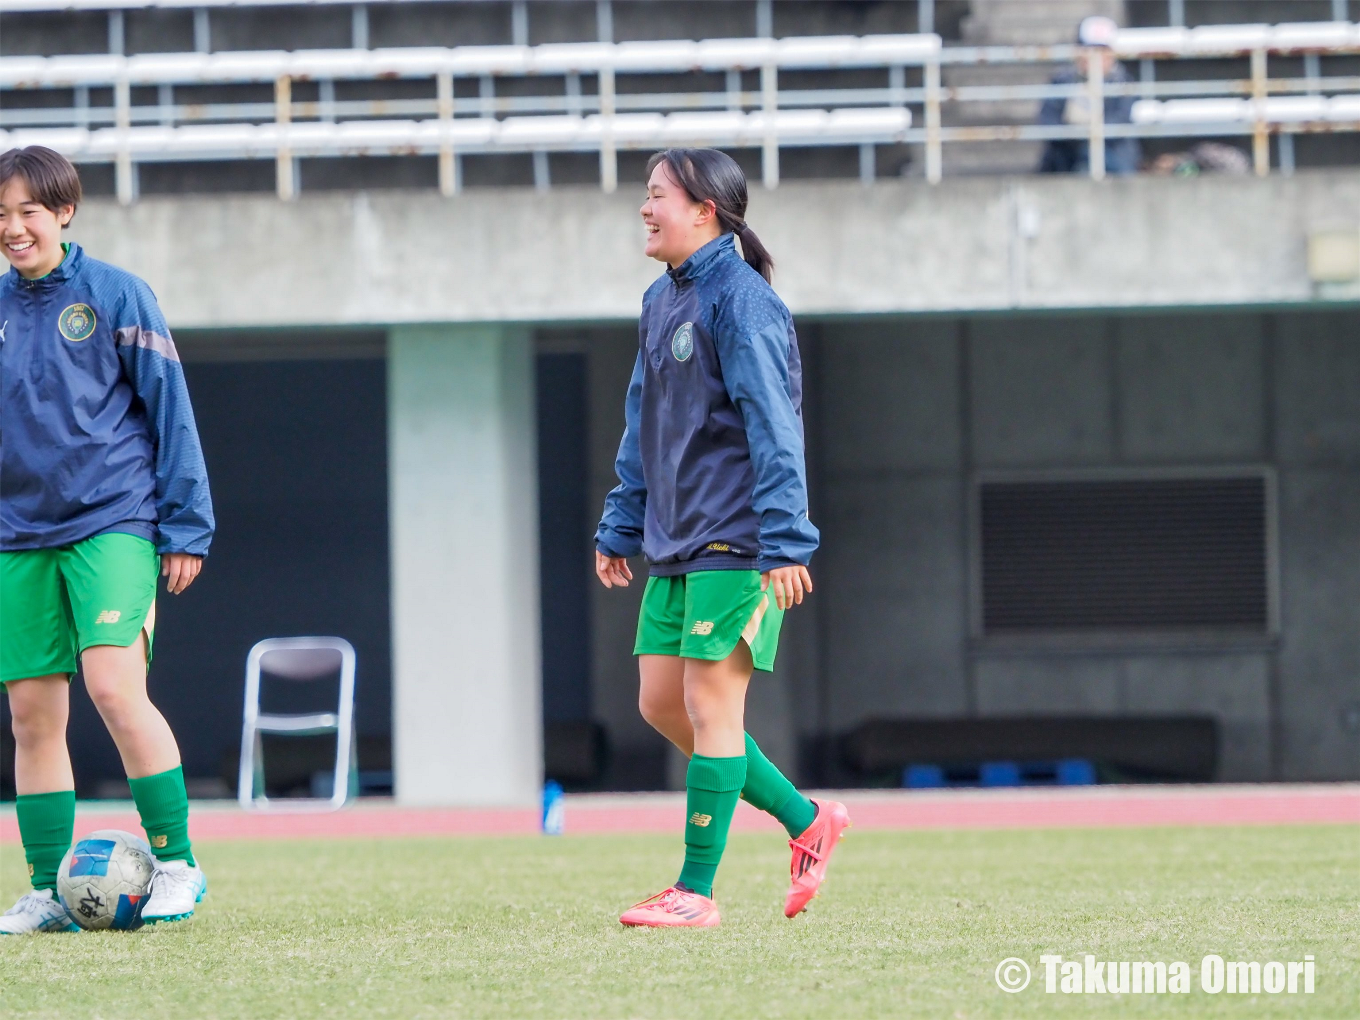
36, 912
176, 888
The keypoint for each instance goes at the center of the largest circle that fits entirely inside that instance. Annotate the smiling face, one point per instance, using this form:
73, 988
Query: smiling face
676, 225
29, 231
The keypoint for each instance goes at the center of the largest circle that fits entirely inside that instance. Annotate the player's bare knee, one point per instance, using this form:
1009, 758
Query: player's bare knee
704, 709
657, 711
117, 701
38, 712
651, 715
35, 724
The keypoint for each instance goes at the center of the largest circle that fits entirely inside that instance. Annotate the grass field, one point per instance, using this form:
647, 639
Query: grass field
912, 924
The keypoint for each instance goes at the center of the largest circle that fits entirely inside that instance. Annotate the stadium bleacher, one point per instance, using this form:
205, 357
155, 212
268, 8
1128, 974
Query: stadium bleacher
756, 108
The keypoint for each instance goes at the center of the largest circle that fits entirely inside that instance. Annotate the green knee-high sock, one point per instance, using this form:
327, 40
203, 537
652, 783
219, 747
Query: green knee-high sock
767, 789
47, 822
163, 804
712, 786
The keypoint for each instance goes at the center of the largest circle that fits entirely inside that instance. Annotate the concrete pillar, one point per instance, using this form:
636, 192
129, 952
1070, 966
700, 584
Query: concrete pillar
462, 470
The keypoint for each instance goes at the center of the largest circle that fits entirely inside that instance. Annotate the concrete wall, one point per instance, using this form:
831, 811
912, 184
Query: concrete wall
902, 412
574, 253
1316, 366
463, 511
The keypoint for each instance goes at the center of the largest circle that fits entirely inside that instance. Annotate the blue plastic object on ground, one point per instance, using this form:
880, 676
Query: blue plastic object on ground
554, 809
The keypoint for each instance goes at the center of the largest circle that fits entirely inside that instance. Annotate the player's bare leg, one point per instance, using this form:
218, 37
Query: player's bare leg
43, 781
116, 680
715, 701
712, 696
661, 699
40, 708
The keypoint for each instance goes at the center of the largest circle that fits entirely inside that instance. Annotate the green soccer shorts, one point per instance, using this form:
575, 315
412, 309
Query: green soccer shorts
55, 603
704, 614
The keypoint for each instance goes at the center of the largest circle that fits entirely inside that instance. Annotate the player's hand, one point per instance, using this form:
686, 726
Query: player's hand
790, 584
179, 570
612, 570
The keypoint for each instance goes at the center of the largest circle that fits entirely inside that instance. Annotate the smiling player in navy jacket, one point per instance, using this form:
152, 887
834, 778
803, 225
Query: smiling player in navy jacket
713, 490
102, 486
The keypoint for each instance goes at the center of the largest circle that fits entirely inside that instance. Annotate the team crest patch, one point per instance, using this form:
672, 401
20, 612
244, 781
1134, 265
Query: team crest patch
76, 322
682, 344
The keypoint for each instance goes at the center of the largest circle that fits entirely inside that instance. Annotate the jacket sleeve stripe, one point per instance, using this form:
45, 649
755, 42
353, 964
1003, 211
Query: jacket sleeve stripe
136, 336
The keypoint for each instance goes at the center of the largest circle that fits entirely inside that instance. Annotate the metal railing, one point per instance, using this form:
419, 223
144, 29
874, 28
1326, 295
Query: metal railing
575, 121
609, 119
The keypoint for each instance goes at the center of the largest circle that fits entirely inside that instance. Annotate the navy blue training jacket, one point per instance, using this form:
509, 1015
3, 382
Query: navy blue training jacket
1073, 155
711, 471
96, 431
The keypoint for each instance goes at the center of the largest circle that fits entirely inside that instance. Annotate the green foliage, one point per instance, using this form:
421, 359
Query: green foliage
910, 924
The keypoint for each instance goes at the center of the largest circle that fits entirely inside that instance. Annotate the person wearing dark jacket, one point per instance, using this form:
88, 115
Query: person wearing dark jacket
1073, 155
713, 491
102, 487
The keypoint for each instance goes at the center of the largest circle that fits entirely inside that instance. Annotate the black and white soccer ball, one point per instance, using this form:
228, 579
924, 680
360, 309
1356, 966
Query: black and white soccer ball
104, 880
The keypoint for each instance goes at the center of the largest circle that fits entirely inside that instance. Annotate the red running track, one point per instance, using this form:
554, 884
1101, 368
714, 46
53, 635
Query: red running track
1090, 807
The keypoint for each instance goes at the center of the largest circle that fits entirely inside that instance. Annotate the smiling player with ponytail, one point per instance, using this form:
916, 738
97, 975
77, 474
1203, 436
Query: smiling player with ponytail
713, 490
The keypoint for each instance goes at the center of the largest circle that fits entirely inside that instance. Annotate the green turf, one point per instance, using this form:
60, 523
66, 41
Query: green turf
910, 924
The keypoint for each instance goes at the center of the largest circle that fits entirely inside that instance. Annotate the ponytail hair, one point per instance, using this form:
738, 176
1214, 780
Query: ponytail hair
708, 175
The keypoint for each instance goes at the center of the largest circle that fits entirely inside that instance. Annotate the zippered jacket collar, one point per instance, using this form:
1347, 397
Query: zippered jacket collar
704, 259
68, 268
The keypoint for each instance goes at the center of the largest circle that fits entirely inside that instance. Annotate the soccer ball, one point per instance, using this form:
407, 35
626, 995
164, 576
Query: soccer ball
104, 880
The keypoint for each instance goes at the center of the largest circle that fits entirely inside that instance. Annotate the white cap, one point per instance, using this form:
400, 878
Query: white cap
1097, 31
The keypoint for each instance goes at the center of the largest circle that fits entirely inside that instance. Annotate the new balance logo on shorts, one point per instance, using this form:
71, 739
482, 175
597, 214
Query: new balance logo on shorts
700, 820
109, 616
702, 627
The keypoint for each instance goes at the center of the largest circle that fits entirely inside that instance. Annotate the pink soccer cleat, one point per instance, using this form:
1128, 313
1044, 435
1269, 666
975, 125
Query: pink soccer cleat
811, 852
673, 908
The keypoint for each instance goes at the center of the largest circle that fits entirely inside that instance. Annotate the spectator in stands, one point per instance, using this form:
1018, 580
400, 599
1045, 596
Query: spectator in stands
1072, 155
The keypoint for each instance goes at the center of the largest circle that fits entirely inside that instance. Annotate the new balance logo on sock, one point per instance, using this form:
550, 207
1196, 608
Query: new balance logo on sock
109, 616
703, 628
700, 820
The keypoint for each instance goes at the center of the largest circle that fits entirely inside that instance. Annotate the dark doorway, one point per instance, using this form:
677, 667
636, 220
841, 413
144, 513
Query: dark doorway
564, 536
573, 745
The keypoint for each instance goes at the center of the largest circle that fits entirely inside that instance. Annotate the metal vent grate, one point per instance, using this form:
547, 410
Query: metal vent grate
1125, 555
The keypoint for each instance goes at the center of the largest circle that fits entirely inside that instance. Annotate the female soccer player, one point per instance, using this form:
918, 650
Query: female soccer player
712, 488
104, 485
